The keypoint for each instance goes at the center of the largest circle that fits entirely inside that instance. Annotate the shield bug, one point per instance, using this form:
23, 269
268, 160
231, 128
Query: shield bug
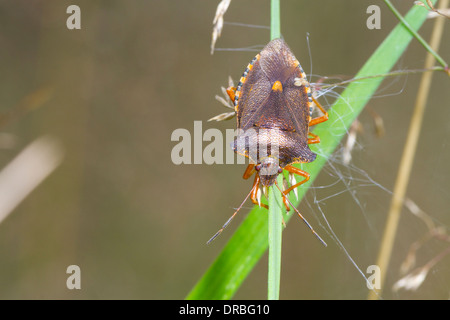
273, 104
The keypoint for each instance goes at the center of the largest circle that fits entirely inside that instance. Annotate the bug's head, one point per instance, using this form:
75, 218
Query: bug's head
268, 170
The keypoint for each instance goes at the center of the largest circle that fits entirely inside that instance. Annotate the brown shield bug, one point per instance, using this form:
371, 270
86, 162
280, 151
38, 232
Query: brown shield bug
273, 104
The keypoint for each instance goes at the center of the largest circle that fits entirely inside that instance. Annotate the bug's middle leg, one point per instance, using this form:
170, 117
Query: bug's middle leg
320, 119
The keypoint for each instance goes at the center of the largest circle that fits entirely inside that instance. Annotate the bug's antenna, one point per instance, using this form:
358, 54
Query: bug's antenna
229, 220
301, 217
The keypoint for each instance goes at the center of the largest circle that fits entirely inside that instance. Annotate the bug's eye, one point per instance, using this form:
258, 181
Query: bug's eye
258, 167
280, 170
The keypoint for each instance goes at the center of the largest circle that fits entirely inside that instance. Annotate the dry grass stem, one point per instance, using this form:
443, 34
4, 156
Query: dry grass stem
407, 159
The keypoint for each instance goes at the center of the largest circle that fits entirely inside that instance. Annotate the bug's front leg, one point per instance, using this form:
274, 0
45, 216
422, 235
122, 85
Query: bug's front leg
256, 199
249, 171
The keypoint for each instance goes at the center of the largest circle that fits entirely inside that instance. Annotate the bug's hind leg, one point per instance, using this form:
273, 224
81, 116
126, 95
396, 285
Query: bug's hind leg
231, 91
297, 171
315, 138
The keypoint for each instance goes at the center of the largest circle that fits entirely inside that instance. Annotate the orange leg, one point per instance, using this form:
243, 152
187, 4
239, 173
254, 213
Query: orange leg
317, 120
249, 171
286, 204
231, 93
254, 193
315, 138
299, 172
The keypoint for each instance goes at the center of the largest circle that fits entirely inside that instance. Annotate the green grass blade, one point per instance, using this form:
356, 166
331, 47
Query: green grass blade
250, 241
275, 231
275, 213
275, 25
416, 35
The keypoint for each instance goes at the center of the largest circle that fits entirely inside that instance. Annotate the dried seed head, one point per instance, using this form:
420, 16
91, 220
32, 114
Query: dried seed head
351, 140
409, 262
230, 83
223, 116
412, 281
218, 22
224, 102
420, 3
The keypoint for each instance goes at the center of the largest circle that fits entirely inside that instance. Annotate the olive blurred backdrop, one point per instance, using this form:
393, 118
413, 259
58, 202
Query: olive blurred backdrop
137, 224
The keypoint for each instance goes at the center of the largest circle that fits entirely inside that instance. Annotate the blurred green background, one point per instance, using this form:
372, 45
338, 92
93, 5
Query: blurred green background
135, 223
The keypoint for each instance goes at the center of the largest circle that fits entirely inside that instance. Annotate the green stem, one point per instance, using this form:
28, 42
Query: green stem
275, 230
275, 198
416, 35
275, 26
